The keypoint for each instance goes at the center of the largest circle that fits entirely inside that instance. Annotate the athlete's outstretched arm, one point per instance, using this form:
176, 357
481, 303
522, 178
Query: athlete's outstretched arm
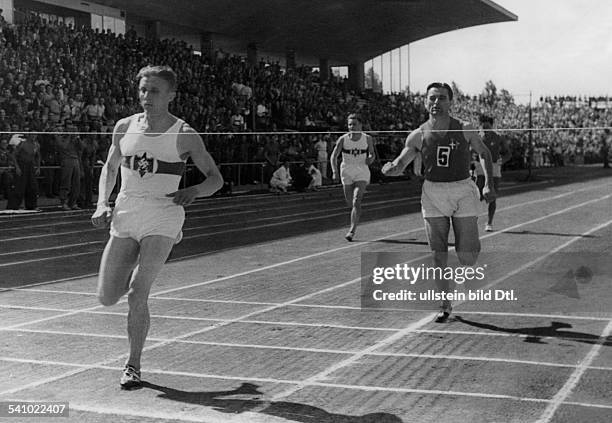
333, 161
190, 144
408, 154
108, 176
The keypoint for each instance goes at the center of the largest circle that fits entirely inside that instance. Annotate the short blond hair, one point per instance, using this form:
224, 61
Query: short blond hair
164, 72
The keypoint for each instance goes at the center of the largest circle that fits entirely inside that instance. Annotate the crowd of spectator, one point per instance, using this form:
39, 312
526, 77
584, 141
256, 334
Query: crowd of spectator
563, 130
57, 80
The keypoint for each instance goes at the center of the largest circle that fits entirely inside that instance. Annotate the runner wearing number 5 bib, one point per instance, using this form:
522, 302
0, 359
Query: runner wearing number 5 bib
449, 195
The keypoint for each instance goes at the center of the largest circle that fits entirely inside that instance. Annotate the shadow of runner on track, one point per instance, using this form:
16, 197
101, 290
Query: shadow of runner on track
549, 233
411, 241
249, 399
535, 334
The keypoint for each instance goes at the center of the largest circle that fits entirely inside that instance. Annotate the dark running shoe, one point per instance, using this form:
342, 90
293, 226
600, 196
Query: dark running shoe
130, 379
445, 313
349, 236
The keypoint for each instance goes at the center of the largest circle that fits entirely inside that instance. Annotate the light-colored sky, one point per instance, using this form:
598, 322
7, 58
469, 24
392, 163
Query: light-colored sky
556, 47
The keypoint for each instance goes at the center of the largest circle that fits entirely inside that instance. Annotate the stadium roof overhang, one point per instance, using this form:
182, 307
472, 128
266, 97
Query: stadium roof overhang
343, 31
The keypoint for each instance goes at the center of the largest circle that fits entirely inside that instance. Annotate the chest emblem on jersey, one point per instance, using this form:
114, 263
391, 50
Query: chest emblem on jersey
453, 143
144, 165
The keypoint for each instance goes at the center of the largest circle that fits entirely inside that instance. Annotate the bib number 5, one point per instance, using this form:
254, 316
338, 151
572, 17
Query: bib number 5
443, 156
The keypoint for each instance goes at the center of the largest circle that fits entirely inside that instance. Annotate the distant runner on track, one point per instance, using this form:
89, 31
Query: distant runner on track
357, 149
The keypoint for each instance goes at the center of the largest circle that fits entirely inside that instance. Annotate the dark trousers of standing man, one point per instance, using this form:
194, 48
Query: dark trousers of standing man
23, 187
70, 183
87, 185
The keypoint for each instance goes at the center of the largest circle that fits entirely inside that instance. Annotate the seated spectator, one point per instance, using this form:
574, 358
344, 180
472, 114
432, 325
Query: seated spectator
53, 104
237, 122
281, 178
317, 178
94, 111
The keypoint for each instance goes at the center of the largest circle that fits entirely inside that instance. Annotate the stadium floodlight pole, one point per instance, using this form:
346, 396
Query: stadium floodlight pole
408, 67
529, 141
253, 105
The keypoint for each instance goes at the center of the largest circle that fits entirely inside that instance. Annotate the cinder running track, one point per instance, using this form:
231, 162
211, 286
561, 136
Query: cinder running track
256, 317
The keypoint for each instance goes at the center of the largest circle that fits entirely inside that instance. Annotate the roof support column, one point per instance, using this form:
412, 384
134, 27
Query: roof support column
252, 54
153, 30
356, 76
207, 45
290, 58
323, 69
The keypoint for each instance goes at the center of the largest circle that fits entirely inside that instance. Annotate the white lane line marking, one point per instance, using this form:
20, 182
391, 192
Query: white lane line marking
385, 205
67, 279
297, 382
205, 319
355, 357
499, 334
52, 291
302, 305
277, 224
299, 324
389, 236
366, 205
253, 208
259, 269
586, 404
417, 325
64, 256
67, 374
574, 378
547, 316
204, 375
57, 247
314, 350
282, 263
204, 204
287, 381
159, 344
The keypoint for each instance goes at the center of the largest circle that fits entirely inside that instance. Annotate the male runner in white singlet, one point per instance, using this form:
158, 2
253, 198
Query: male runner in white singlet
151, 149
357, 151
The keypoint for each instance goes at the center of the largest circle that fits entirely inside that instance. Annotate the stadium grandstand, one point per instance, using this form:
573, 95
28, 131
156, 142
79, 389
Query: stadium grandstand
67, 65
263, 309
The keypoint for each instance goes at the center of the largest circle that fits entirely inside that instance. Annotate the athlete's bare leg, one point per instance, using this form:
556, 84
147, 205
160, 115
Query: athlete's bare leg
493, 204
154, 251
491, 212
467, 241
437, 230
118, 261
354, 195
